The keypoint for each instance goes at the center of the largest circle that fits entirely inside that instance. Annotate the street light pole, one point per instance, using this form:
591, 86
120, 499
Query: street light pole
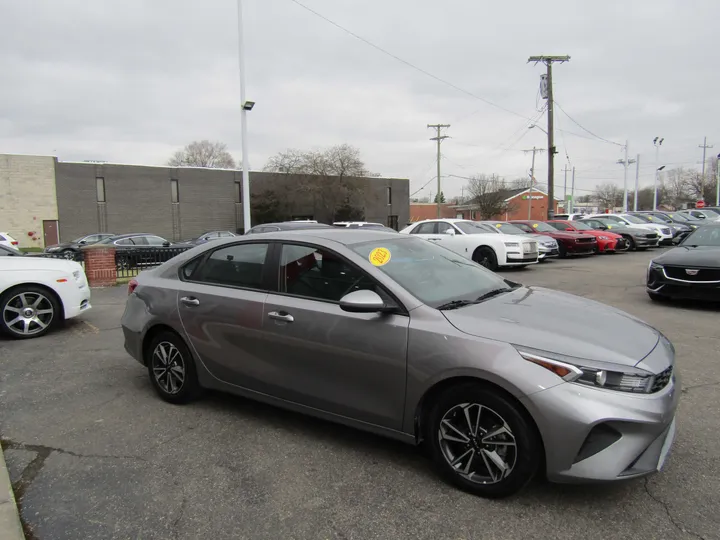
657, 141
717, 181
243, 124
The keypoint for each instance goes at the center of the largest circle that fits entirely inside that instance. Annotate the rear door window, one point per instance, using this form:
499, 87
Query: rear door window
239, 265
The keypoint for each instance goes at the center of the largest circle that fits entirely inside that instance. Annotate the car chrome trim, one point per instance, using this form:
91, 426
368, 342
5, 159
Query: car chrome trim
686, 280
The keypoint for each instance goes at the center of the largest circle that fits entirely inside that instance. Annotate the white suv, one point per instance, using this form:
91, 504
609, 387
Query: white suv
7, 240
664, 231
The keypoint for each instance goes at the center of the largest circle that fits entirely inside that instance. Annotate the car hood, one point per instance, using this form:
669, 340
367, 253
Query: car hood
64, 245
704, 256
560, 323
38, 262
538, 237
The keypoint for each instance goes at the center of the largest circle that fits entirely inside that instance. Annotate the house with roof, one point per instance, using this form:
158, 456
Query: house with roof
508, 204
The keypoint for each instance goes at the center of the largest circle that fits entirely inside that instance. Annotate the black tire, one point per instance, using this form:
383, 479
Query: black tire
562, 251
497, 408
486, 257
630, 242
11, 302
166, 379
68, 254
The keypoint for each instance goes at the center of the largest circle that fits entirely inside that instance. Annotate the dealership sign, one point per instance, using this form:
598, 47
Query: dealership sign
525, 197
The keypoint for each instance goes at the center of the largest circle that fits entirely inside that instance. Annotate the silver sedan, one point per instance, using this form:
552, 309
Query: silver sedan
394, 335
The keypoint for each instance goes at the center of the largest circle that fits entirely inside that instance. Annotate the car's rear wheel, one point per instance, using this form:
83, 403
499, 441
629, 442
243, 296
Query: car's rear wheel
68, 254
485, 256
28, 311
172, 369
481, 441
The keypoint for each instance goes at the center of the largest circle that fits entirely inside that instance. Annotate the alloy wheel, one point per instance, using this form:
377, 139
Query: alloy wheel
28, 313
168, 367
477, 443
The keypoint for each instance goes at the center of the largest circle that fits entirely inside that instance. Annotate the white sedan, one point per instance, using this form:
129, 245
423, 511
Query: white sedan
38, 293
473, 241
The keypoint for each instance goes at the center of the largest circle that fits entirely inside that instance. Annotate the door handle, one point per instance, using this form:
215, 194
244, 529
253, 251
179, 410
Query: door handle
281, 316
190, 301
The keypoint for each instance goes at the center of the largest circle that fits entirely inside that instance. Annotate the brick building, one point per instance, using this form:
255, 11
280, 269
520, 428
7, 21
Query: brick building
421, 211
176, 203
517, 202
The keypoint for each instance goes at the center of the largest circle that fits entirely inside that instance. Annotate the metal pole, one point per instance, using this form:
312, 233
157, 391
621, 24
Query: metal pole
572, 193
625, 186
438, 177
243, 125
717, 182
637, 180
657, 175
702, 181
532, 179
565, 170
551, 146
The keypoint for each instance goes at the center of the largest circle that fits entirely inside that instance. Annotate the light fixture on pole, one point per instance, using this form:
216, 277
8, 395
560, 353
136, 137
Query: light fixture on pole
657, 141
245, 107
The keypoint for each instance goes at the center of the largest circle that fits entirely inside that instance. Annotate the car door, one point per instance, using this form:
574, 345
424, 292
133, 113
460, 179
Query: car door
221, 307
455, 241
317, 355
427, 230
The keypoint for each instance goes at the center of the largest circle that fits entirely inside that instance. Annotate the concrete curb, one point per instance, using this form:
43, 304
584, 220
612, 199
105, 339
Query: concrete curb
10, 526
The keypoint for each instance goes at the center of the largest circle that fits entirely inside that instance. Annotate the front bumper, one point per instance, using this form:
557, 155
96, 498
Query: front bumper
658, 283
76, 300
547, 252
585, 248
643, 242
606, 246
575, 422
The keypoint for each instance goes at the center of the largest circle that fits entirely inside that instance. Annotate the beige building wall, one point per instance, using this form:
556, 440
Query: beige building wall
27, 197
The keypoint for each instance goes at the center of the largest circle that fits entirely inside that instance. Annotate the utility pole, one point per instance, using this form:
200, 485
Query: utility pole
637, 180
625, 163
657, 141
439, 138
572, 193
245, 107
565, 199
704, 146
548, 61
717, 181
532, 176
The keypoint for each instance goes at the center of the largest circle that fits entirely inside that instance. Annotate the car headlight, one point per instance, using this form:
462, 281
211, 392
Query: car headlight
76, 275
51, 249
603, 237
591, 373
512, 244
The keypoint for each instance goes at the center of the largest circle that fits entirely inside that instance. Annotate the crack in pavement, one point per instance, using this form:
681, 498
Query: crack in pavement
675, 523
694, 386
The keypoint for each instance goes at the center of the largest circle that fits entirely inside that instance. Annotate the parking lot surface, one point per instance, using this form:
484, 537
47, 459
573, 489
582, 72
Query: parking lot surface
94, 454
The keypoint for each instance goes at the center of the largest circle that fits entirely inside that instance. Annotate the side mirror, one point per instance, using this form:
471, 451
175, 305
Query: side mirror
166, 244
701, 216
362, 302
82, 242
449, 231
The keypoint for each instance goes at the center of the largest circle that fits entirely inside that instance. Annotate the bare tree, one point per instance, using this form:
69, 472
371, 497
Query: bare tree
203, 153
328, 176
488, 194
608, 195
676, 187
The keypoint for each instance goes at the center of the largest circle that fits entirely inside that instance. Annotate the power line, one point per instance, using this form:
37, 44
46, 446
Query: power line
585, 129
413, 66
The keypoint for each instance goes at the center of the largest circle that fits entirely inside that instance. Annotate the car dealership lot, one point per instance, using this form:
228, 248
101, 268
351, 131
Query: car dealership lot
95, 454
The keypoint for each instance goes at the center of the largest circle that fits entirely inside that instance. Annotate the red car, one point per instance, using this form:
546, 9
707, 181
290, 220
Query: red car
607, 242
568, 243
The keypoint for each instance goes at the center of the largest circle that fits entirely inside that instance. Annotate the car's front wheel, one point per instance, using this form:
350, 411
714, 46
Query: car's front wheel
481, 441
68, 254
28, 311
171, 369
486, 257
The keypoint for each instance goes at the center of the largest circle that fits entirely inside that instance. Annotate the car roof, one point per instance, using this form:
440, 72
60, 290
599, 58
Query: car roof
451, 220
335, 234
289, 225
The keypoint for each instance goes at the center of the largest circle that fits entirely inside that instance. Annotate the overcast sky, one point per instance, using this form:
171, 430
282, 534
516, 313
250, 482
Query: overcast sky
131, 81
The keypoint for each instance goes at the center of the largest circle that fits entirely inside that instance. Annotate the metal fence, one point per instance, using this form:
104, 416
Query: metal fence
130, 262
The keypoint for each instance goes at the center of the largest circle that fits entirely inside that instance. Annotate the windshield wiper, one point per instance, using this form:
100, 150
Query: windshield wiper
454, 304
490, 294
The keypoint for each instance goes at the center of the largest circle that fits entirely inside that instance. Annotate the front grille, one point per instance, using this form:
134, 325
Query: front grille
653, 235
661, 380
588, 240
530, 247
700, 274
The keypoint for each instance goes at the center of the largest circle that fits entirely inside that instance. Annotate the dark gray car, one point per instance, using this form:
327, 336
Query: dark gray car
395, 335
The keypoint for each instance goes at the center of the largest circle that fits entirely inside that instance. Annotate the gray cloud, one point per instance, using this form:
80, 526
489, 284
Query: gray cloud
133, 80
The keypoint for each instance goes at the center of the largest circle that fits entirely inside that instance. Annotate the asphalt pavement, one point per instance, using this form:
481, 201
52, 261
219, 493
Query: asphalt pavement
93, 454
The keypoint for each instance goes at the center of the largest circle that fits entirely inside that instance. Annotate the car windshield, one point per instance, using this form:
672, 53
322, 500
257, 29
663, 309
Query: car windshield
108, 240
471, 227
659, 217
432, 274
712, 211
682, 218
704, 236
644, 218
633, 219
507, 228
539, 226
581, 226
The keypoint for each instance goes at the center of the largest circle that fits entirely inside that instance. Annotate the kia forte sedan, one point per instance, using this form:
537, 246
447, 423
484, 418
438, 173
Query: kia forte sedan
395, 335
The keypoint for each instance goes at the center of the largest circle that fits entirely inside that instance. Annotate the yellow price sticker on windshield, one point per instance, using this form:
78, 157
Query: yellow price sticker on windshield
379, 256
498, 225
609, 226
535, 225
